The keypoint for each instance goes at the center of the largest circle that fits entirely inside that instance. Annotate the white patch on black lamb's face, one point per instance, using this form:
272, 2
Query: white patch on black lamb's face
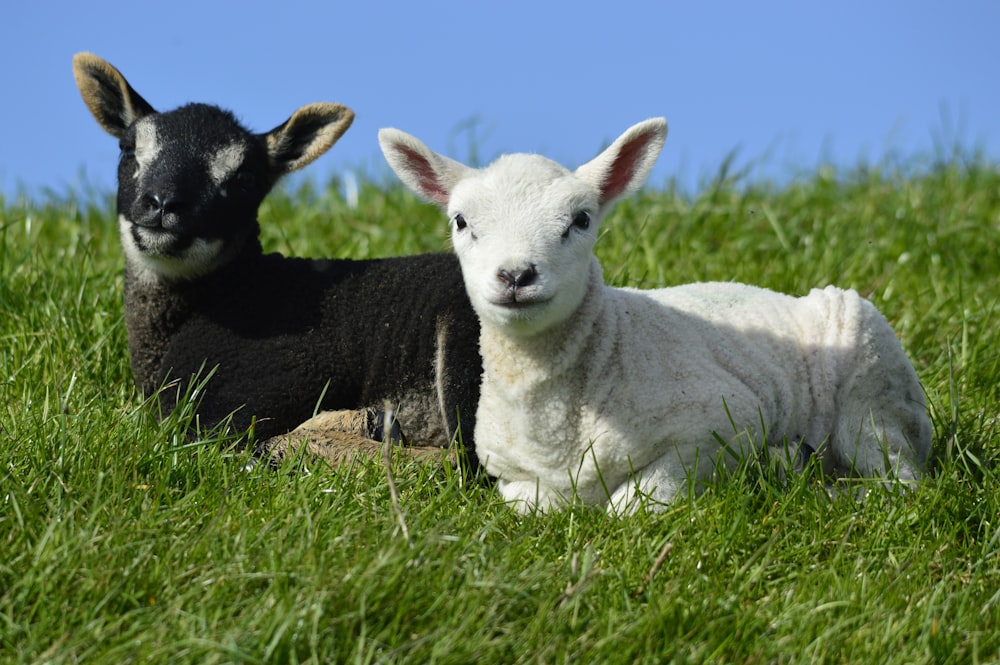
147, 147
524, 214
225, 162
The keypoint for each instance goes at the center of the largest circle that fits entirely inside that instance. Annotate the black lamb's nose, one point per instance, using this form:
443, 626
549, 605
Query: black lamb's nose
518, 278
153, 207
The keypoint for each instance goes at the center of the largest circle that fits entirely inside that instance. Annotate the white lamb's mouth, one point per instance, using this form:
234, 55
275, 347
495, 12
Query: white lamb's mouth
507, 302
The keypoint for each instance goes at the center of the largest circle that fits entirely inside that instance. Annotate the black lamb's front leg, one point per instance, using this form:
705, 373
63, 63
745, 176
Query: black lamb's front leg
340, 436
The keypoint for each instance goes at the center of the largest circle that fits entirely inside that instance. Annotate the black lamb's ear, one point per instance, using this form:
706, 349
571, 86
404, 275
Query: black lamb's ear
113, 102
311, 131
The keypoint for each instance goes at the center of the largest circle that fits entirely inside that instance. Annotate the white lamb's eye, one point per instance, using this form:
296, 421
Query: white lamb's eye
460, 222
581, 221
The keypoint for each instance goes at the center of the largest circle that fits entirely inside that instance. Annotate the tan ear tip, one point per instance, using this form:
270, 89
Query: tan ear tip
337, 111
84, 58
345, 114
85, 63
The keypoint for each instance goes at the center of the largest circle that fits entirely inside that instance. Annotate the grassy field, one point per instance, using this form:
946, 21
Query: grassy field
121, 541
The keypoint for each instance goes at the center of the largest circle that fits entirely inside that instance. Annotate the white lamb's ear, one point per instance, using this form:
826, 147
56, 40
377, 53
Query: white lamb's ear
427, 174
626, 163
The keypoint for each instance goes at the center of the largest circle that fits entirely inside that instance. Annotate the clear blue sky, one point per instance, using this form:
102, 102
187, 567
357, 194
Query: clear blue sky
797, 83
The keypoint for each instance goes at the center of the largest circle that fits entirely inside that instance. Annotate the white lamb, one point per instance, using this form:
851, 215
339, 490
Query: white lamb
604, 392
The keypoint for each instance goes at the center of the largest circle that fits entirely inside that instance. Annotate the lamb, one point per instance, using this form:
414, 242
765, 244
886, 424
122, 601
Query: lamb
279, 336
610, 394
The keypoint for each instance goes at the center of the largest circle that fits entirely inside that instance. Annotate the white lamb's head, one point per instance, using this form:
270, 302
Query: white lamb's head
524, 227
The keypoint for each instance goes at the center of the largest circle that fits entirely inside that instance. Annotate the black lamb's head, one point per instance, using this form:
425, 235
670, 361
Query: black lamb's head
190, 180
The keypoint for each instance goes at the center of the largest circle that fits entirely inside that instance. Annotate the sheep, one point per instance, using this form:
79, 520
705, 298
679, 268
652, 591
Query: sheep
612, 394
277, 337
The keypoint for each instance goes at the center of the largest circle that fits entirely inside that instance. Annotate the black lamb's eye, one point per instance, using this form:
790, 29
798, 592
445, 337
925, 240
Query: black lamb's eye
460, 222
127, 151
245, 180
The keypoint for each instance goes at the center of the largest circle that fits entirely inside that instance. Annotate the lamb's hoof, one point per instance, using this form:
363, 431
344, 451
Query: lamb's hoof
336, 436
376, 428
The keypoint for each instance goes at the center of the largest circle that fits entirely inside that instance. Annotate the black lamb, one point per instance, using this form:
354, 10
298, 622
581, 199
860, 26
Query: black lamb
279, 335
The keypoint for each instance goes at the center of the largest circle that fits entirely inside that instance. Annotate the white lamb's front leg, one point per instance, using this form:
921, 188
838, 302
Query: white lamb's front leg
660, 480
527, 495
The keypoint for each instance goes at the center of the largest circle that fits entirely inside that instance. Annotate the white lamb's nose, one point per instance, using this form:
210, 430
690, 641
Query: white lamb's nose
518, 277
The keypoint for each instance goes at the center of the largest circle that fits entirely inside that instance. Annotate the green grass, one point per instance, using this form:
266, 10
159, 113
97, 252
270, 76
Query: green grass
121, 541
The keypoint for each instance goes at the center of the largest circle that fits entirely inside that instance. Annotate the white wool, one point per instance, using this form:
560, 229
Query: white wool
638, 384
596, 392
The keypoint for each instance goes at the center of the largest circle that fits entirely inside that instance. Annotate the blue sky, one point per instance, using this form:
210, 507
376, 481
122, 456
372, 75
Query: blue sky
790, 85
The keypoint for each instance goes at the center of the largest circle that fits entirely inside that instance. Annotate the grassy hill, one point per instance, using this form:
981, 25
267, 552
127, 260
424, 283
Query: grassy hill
122, 541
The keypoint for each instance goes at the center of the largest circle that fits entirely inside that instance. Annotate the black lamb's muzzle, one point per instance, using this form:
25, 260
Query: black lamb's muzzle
157, 241
157, 209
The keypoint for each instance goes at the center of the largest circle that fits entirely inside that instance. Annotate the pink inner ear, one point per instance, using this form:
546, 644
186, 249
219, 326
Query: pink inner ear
426, 176
622, 170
